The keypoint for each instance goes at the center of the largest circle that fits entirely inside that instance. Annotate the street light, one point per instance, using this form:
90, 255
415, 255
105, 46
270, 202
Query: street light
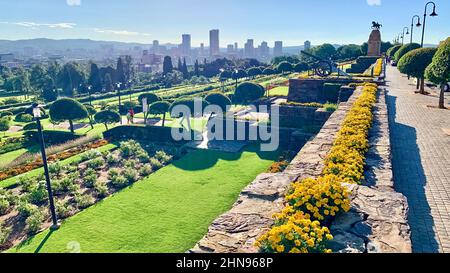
89, 92
403, 35
237, 77
433, 14
129, 88
119, 84
37, 116
412, 25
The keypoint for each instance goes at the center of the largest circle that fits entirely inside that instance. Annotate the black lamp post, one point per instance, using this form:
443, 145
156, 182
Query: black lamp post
412, 25
237, 77
89, 92
129, 88
433, 14
403, 35
37, 116
119, 85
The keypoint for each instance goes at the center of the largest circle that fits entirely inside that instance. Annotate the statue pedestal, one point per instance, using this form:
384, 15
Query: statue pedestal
374, 43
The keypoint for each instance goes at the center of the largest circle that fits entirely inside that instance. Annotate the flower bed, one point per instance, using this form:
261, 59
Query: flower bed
37, 163
24, 210
312, 204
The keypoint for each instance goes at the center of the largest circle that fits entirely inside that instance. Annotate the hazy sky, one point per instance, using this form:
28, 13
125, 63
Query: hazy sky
292, 21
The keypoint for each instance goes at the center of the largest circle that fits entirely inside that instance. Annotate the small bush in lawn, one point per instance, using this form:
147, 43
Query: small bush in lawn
101, 189
89, 180
24, 118
119, 182
83, 200
129, 148
55, 168
4, 233
25, 183
112, 159
112, 173
71, 168
91, 154
34, 221
38, 194
163, 157
96, 163
146, 170
143, 157
156, 165
63, 209
131, 163
4, 206
65, 184
131, 175
26, 209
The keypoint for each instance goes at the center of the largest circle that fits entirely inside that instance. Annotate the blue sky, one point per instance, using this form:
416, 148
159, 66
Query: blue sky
292, 21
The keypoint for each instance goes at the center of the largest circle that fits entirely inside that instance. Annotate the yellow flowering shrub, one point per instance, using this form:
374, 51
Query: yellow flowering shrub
298, 234
311, 204
378, 67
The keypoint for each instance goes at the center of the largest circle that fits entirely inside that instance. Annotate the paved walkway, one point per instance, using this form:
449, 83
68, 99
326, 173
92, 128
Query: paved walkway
421, 161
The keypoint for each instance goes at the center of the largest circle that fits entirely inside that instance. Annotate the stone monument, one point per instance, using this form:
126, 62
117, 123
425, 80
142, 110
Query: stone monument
374, 49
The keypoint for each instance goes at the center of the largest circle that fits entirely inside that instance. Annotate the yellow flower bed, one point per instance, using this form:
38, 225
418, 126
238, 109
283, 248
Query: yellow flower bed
378, 67
311, 204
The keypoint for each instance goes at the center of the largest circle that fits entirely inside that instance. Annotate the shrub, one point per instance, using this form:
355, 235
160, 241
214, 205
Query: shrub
218, 99
131, 175
439, 69
30, 126
6, 114
119, 182
5, 124
107, 117
55, 168
38, 194
405, 49
68, 109
4, 234
269, 71
26, 209
112, 173
159, 108
9, 101
96, 163
284, 67
247, 92
391, 51
24, 117
143, 157
156, 165
131, 163
34, 221
146, 170
301, 67
63, 209
129, 148
112, 159
89, 180
151, 98
101, 189
163, 157
91, 154
83, 200
4, 206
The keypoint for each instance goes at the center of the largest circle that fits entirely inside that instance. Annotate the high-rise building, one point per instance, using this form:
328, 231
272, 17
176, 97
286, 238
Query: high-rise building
230, 49
214, 46
236, 47
202, 49
278, 49
249, 49
264, 50
307, 45
186, 45
155, 48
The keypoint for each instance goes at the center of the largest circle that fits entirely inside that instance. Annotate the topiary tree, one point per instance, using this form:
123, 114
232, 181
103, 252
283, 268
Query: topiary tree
151, 98
189, 103
391, 51
107, 117
248, 92
301, 67
405, 49
254, 71
439, 69
220, 100
284, 67
91, 112
5, 124
68, 109
415, 62
159, 108
269, 71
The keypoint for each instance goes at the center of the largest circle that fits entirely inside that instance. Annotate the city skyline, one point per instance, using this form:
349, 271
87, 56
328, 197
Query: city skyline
75, 19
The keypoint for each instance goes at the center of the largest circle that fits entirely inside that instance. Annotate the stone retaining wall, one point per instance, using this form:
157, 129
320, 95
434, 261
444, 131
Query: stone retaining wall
377, 220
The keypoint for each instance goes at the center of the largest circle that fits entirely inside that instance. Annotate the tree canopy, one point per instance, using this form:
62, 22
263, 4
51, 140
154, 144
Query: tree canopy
284, 67
218, 99
416, 61
405, 49
247, 92
391, 51
107, 117
439, 69
68, 109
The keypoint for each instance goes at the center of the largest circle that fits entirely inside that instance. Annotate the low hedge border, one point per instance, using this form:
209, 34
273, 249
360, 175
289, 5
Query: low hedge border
312, 204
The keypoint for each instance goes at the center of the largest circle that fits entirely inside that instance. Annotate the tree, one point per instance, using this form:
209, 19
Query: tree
190, 104
68, 109
247, 92
49, 92
120, 72
391, 51
70, 77
22, 82
284, 67
290, 59
91, 112
415, 62
37, 77
405, 49
349, 51
439, 69
107, 117
325, 51
167, 65
225, 75
185, 69
94, 78
180, 65
218, 99
196, 69
269, 71
109, 85
301, 67
151, 98
5, 124
159, 108
254, 71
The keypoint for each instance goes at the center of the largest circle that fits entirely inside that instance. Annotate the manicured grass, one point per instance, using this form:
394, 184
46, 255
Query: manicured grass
9, 157
36, 172
167, 212
279, 91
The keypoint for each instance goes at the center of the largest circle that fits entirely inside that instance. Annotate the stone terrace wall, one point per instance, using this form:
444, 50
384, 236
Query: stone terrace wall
376, 222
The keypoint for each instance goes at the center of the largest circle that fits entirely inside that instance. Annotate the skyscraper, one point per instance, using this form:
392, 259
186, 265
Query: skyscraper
236, 47
214, 46
307, 45
249, 49
186, 45
278, 49
264, 50
155, 48
202, 49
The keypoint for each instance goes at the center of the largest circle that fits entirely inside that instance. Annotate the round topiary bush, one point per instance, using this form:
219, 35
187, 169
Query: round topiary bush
68, 109
107, 117
151, 98
391, 51
30, 126
415, 62
24, 117
439, 69
405, 49
254, 71
247, 92
218, 99
301, 67
269, 71
284, 67
159, 108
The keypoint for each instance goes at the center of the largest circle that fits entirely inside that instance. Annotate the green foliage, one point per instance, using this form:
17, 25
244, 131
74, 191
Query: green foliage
107, 117
101, 189
63, 209
247, 92
151, 98
325, 51
218, 99
6, 114
91, 154
146, 170
190, 104
269, 71
30, 126
284, 67
391, 51
4, 234
159, 108
167, 65
416, 61
131, 175
96, 163
349, 51
24, 117
34, 221
26, 209
38, 193
68, 109
439, 70
119, 181
83, 200
405, 49
94, 79
55, 168
5, 124
254, 71
301, 67
4, 205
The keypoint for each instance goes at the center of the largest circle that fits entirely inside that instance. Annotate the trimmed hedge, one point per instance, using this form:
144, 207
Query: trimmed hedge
147, 133
51, 137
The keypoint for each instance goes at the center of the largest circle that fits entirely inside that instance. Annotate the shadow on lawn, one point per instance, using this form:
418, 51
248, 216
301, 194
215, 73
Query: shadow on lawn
41, 244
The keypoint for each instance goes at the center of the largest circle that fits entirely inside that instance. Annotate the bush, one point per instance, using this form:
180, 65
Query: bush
51, 137
30, 126
26, 209
143, 157
89, 180
96, 163
6, 114
163, 157
83, 200
119, 182
113, 173
55, 168
131, 163
24, 118
91, 154
68, 109
34, 221
269, 71
416, 61
4, 234
284, 67
391, 51
439, 69
156, 165
107, 117
112, 159
131, 175
218, 99
405, 49
146, 170
38, 194
129, 148
247, 92
9, 101
4, 206
63, 209
101, 189
301, 67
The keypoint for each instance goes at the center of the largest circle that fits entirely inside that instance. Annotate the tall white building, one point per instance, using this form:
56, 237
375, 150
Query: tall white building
186, 45
249, 49
214, 45
278, 49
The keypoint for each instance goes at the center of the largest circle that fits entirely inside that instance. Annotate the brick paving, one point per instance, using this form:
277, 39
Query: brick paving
421, 161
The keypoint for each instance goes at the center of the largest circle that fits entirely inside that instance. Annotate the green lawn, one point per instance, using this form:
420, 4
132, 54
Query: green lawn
167, 212
279, 91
